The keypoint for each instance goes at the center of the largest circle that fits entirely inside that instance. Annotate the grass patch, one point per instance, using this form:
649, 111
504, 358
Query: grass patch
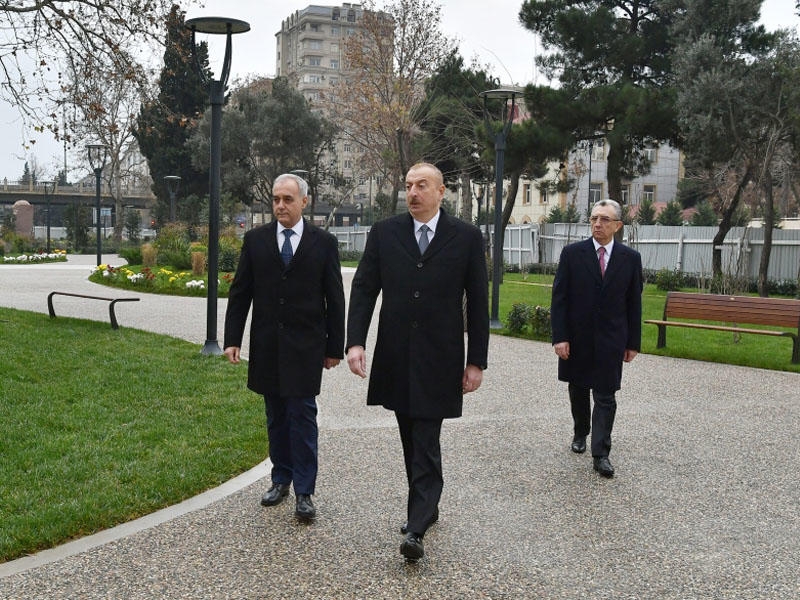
759, 351
104, 426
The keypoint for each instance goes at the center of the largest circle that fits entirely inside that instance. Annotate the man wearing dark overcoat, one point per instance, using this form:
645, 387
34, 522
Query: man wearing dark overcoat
596, 315
289, 271
423, 263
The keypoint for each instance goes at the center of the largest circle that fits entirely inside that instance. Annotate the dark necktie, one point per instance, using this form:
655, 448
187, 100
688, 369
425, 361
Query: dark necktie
423, 239
286, 249
601, 252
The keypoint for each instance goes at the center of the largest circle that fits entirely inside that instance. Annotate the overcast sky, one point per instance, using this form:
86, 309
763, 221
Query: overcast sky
489, 31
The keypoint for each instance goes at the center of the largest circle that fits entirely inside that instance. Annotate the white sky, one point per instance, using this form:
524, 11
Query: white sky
489, 31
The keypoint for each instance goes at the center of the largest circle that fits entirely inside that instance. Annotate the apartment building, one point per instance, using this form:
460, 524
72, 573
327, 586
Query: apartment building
310, 52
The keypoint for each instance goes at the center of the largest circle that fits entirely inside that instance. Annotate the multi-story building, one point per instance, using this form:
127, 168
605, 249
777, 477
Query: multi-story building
310, 52
587, 165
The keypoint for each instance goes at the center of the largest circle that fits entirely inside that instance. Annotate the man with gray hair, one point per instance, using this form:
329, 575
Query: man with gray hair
289, 271
596, 315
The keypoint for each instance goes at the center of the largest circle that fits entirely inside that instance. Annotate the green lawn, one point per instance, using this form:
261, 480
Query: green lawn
761, 351
102, 426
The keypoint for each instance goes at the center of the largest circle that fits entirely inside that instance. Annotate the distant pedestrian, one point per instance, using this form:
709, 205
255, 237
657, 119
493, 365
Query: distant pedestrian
596, 315
289, 272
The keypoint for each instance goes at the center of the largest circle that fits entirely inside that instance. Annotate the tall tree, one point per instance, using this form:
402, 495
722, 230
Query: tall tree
450, 114
45, 33
612, 60
167, 121
387, 61
106, 99
735, 111
267, 130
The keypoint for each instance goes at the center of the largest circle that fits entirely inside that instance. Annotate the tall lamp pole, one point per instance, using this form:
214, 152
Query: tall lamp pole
227, 27
173, 183
49, 190
500, 136
98, 153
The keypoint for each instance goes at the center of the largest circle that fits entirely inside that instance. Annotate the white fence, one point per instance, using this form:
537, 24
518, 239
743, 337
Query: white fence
687, 248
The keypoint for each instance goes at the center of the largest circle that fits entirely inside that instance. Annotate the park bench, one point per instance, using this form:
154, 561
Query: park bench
111, 314
732, 310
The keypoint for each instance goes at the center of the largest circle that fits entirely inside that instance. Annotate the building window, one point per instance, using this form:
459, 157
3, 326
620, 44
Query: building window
348, 147
315, 27
626, 194
649, 193
335, 31
313, 78
599, 150
333, 80
351, 16
595, 193
526, 194
335, 48
335, 15
314, 61
651, 155
543, 195
315, 44
334, 63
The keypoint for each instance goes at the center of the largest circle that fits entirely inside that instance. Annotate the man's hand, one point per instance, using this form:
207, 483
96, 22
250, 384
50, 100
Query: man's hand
629, 355
562, 350
329, 362
472, 379
232, 352
357, 360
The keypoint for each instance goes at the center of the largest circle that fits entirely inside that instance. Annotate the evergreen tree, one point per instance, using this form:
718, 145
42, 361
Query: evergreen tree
647, 213
705, 215
671, 215
166, 123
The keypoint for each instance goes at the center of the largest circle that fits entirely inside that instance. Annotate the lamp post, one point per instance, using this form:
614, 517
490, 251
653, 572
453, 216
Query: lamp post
49, 189
227, 27
173, 183
97, 160
504, 94
589, 187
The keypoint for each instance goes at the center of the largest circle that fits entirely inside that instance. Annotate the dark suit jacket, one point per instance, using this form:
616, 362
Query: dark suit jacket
419, 358
600, 317
298, 310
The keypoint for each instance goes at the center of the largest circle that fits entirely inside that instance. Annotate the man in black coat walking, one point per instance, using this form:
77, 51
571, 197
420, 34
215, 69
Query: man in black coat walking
289, 271
423, 263
596, 315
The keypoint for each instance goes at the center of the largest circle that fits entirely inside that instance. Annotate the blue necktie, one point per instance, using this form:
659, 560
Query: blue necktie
423, 238
286, 249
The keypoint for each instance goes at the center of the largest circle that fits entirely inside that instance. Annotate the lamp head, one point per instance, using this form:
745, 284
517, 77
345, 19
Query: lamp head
173, 183
97, 155
217, 25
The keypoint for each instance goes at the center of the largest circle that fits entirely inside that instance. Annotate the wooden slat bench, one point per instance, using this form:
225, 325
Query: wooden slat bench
113, 301
734, 310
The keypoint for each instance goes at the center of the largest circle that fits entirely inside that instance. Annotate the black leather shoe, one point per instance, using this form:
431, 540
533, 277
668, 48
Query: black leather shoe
412, 548
578, 445
434, 519
275, 494
603, 466
304, 507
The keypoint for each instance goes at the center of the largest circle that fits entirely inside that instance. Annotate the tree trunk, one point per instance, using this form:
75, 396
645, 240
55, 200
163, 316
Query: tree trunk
725, 225
769, 223
466, 198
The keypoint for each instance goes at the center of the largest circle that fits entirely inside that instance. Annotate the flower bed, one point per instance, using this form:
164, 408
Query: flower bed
158, 280
37, 257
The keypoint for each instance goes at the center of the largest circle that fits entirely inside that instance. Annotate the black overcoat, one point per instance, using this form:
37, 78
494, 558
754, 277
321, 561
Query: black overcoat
298, 310
600, 317
419, 357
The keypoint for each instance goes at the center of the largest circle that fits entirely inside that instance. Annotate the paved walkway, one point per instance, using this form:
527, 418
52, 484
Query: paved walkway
704, 504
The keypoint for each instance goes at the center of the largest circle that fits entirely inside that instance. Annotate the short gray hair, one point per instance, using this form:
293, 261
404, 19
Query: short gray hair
613, 204
302, 185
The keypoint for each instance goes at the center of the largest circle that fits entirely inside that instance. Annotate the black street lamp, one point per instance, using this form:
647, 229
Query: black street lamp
49, 189
500, 136
98, 153
227, 27
173, 183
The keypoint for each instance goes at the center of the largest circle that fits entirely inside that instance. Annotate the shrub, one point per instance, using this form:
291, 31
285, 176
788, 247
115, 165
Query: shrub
519, 317
669, 280
149, 255
541, 326
350, 255
132, 254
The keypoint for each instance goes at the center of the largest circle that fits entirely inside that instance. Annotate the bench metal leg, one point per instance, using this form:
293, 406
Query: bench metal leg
112, 316
795, 350
662, 336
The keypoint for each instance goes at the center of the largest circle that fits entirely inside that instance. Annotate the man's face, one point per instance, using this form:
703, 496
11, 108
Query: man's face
424, 193
287, 203
604, 224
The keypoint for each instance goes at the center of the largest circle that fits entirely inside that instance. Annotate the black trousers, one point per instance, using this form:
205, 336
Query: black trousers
423, 459
599, 421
